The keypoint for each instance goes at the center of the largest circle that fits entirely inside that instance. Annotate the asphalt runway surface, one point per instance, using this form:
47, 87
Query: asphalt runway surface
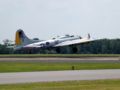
50, 76
57, 60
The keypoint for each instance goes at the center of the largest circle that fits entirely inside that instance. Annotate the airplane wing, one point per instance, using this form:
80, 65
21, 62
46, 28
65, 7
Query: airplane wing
73, 42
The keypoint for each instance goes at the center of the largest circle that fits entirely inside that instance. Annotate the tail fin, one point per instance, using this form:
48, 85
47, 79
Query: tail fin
21, 39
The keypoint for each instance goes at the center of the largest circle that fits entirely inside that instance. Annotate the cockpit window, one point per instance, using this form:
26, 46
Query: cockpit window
67, 36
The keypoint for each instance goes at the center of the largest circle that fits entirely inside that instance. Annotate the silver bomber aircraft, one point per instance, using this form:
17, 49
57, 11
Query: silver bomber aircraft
22, 42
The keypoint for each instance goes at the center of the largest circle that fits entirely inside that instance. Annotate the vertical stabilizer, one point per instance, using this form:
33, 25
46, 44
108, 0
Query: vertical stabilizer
21, 39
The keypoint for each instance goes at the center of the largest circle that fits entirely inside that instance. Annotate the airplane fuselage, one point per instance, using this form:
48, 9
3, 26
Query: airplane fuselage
52, 42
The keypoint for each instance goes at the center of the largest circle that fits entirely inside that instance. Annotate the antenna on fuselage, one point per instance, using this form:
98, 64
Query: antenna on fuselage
89, 36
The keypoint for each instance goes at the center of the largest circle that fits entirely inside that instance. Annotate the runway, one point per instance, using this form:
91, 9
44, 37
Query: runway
57, 60
50, 76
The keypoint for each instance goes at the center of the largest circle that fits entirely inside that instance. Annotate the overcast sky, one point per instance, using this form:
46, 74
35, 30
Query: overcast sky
46, 19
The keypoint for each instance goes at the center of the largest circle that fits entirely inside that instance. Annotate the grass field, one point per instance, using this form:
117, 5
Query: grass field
59, 55
37, 66
67, 85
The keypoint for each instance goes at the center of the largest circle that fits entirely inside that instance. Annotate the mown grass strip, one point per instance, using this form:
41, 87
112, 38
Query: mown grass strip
38, 66
67, 85
56, 55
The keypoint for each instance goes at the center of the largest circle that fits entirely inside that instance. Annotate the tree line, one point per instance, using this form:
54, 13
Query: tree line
102, 46
4, 49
